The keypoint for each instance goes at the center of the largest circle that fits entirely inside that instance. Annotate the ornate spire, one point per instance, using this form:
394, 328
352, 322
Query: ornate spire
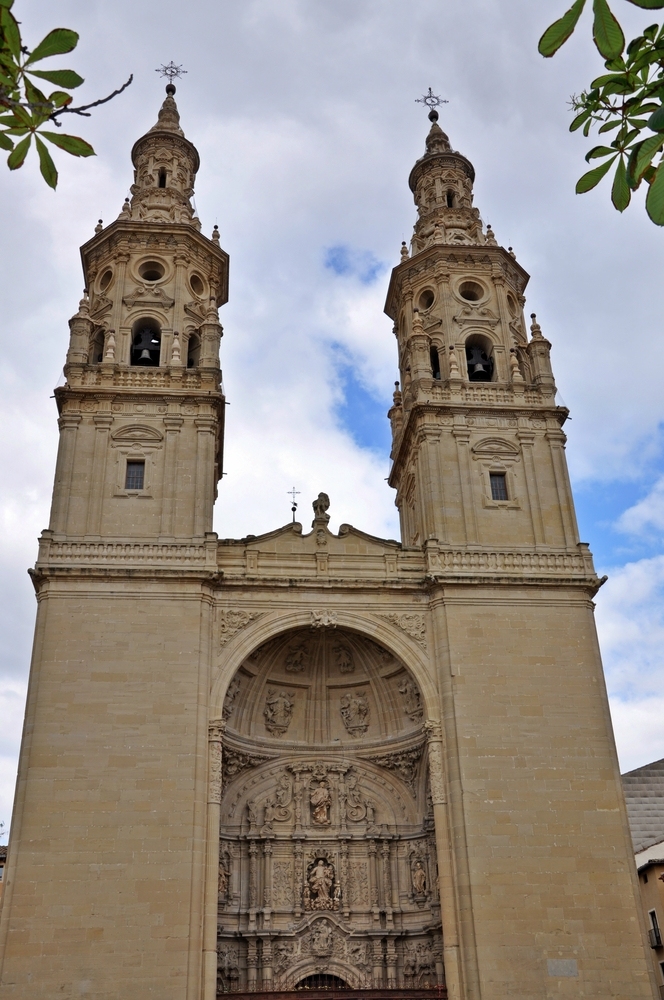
442, 184
165, 167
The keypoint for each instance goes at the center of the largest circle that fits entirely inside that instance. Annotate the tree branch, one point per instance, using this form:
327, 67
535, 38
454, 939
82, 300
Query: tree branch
83, 110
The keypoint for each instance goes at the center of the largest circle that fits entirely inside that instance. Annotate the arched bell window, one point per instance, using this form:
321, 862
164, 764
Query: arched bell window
193, 351
450, 198
96, 355
162, 178
146, 344
435, 361
479, 359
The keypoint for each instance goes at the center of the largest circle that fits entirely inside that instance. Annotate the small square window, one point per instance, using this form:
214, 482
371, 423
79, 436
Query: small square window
498, 485
135, 476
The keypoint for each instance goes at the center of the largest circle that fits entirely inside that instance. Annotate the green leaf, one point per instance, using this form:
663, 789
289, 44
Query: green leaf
558, 33
655, 197
5, 141
60, 77
599, 151
70, 143
648, 4
593, 177
646, 151
60, 98
579, 120
56, 43
6, 3
656, 120
46, 164
620, 193
608, 78
17, 157
11, 32
607, 33
609, 126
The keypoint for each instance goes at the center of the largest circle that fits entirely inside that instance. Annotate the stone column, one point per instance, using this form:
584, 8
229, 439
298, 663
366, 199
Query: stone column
387, 882
215, 733
345, 888
445, 864
253, 882
377, 959
299, 876
267, 964
391, 964
462, 437
102, 423
373, 881
556, 439
68, 424
172, 425
267, 884
527, 439
252, 964
203, 503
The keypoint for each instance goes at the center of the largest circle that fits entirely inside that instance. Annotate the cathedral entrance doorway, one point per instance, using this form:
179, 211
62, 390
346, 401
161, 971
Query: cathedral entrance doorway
327, 865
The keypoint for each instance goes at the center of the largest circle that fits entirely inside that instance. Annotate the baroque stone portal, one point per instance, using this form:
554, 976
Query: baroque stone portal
326, 827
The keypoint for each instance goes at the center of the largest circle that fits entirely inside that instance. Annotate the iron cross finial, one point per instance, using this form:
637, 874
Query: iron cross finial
293, 493
171, 71
431, 101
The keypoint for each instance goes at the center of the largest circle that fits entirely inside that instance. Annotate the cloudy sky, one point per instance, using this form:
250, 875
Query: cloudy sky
304, 114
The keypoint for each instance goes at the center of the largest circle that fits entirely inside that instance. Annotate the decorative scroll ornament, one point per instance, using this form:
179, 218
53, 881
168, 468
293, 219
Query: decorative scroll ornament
404, 763
413, 625
236, 761
231, 622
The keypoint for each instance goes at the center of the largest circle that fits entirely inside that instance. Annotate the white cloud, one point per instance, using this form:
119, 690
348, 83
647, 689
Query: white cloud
646, 514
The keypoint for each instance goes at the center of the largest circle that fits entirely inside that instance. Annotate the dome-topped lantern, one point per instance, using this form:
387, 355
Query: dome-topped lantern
442, 184
165, 165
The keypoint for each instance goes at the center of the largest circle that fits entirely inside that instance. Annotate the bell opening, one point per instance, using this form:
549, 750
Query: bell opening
146, 345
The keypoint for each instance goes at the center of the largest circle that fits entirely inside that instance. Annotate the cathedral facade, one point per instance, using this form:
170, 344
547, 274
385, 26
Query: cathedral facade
308, 760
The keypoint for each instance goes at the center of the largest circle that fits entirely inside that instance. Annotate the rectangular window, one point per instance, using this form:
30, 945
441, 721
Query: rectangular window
654, 932
498, 485
135, 476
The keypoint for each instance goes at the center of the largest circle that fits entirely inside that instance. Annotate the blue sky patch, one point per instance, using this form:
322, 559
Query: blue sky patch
362, 414
361, 264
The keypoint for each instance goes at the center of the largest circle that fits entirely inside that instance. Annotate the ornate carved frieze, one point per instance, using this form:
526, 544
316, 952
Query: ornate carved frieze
323, 619
231, 622
412, 624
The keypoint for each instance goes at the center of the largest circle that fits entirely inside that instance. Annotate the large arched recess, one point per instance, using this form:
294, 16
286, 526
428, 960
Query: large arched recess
331, 708
263, 627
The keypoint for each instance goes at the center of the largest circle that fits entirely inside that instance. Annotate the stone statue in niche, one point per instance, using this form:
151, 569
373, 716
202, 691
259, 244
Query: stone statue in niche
278, 711
268, 817
355, 712
344, 659
418, 878
321, 800
223, 882
320, 890
252, 815
322, 939
412, 699
297, 658
231, 695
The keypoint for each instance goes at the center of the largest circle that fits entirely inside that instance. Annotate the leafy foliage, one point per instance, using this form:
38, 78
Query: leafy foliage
628, 100
25, 109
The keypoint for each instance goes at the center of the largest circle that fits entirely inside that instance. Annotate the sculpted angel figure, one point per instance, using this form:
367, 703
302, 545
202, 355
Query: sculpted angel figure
321, 505
321, 800
278, 711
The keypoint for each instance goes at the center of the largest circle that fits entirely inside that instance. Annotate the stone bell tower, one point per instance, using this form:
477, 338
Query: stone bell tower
109, 818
